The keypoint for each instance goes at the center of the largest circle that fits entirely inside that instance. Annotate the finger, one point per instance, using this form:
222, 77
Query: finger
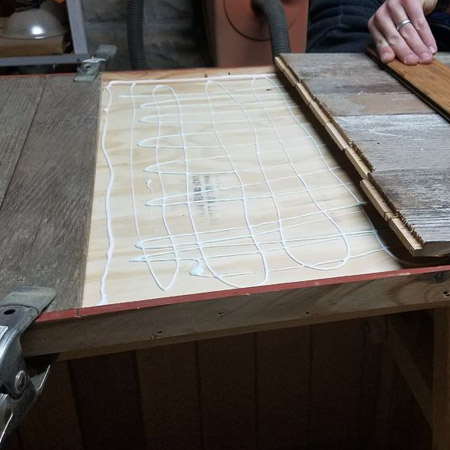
384, 24
385, 52
416, 14
409, 33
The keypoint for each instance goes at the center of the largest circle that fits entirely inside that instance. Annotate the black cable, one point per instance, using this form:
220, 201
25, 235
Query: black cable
135, 34
23, 5
276, 19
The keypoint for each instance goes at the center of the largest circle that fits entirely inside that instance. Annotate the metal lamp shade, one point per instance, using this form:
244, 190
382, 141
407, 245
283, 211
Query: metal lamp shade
34, 23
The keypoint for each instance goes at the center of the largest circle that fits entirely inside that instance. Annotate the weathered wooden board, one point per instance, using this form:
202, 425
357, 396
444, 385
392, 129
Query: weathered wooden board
399, 145
430, 81
19, 99
49, 168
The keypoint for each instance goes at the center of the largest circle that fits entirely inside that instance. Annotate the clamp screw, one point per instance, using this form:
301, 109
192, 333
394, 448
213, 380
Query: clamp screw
20, 382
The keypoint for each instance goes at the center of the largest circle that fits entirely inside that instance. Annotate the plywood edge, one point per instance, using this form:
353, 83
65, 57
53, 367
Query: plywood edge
151, 325
174, 74
394, 219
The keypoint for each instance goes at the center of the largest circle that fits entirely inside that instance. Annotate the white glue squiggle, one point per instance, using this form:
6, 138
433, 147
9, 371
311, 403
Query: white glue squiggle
259, 239
109, 231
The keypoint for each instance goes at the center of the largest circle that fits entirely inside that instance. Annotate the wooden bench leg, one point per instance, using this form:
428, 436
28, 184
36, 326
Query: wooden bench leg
441, 380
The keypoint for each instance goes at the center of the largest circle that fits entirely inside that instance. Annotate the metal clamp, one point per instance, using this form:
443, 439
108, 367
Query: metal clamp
20, 383
91, 67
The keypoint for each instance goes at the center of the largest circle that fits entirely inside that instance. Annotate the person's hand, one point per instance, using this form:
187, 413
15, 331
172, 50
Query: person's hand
400, 30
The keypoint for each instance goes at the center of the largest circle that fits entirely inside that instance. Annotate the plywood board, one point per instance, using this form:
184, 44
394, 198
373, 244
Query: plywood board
209, 184
399, 145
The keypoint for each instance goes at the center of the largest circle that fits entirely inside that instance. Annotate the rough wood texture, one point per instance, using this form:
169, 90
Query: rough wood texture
286, 385
152, 324
430, 81
169, 391
283, 367
19, 99
107, 399
45, 214
441, 378
53, 423
400, 147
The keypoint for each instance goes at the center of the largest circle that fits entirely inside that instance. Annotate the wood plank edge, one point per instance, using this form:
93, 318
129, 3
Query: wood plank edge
321, 113
400, 227
391, 68
383, 293
396, 224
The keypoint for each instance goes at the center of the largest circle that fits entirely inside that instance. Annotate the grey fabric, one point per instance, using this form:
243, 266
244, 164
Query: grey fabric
338, 26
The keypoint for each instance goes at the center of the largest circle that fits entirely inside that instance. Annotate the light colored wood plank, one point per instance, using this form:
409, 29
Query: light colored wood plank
169, 395
228, 392
283, 378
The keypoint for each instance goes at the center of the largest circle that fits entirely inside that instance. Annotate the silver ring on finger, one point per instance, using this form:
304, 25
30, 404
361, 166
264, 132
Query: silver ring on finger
402, 24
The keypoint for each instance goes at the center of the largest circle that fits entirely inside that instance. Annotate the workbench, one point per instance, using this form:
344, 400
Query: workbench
48, 157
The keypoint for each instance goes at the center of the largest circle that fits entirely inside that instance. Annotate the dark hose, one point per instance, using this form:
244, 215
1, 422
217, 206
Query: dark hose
274, 12
135, 34
23, 5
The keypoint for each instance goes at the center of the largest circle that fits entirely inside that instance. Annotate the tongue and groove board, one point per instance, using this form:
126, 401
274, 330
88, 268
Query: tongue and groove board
399, 145
431, 82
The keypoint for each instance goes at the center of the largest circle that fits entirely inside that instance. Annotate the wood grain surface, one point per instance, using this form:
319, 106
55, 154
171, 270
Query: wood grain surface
398, 144
430, 81
49, 175
208, 181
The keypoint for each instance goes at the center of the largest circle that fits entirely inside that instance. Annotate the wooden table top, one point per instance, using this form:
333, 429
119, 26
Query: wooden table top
47, 165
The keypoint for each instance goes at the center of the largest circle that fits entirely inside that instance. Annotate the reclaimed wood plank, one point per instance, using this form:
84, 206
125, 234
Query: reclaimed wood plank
169, 395
430, 81
401, 149
44, 218
19, 100
369, 103
402, 142
422, 200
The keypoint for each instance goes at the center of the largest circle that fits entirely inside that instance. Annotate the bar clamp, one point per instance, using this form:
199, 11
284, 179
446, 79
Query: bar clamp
90, 68
21, 381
